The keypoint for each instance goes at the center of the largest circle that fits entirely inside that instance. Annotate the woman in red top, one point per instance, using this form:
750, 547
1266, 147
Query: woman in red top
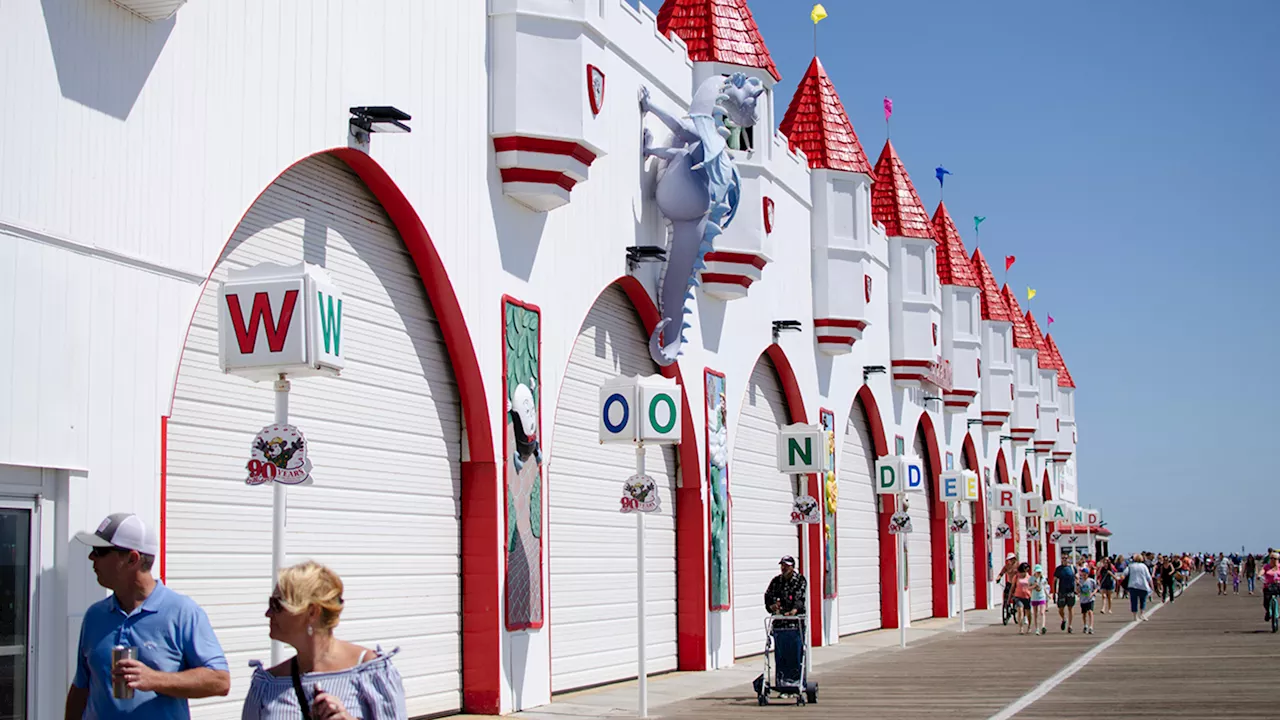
1022, 597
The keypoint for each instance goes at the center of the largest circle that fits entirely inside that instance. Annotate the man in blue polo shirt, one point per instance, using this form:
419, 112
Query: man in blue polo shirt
178, 655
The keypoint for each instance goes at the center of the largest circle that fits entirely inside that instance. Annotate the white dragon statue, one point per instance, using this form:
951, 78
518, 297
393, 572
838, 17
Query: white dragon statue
698, 192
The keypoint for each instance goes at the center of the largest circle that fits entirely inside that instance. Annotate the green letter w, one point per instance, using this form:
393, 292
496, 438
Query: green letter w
329, 325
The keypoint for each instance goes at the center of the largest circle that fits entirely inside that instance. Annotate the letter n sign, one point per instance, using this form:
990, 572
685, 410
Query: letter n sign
801, 448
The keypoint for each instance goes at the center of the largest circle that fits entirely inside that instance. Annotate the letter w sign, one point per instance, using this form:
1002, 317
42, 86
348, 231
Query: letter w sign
263, 324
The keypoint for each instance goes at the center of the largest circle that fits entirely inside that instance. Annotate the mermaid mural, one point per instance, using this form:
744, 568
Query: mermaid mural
522, 465
718, 474
830, 497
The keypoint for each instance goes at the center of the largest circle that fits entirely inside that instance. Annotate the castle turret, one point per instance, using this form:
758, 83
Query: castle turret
996, 370
723, 39
1026, 406
961, 314
1066, 446
840, 224
1047, 430
915, 296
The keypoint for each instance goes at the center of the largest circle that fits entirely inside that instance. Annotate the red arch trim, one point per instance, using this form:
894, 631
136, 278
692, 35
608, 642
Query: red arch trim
813, 533
692, 602
937, 520
1028, 486
1002, 477
969, 455
1050, 548
888, 558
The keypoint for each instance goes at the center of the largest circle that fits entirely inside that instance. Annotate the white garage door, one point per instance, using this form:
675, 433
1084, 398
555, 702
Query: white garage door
385, 441
966, 548
920, 562
592, 545
760, 506
857, 529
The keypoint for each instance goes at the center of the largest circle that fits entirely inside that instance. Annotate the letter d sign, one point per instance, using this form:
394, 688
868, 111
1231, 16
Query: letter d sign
888, 475
914, 475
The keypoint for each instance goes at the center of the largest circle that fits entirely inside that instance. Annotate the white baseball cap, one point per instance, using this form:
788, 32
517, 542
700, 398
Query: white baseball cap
125, 531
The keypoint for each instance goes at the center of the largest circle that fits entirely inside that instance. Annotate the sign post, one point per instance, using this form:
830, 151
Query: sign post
957, 488
889, 482
803, 449
275, 321
639, 410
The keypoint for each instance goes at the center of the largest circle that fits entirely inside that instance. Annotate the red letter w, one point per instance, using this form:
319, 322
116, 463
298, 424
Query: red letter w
276, 331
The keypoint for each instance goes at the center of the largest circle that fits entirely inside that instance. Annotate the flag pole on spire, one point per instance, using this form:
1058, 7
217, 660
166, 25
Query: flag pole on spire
817, 15
941, 174
977, 236
888, 111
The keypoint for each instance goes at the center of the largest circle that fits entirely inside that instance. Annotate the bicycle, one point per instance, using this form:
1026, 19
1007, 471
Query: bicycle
1008, 608
1273, 605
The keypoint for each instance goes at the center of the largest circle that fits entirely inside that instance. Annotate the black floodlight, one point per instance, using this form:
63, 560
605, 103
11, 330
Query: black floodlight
780, 325
931, 398
870, 370
637, 254
380, 119
974, 421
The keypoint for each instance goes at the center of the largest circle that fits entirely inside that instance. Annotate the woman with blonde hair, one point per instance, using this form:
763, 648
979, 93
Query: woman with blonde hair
328, 679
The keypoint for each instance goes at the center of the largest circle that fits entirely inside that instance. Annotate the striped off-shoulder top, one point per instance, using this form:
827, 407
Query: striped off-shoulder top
371, 690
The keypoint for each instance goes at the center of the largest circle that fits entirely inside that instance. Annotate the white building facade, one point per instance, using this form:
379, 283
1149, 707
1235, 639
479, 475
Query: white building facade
499, 263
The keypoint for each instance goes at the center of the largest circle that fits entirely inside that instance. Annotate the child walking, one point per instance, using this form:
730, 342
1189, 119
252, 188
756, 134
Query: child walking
1088, 587
1038, 600
1235, 578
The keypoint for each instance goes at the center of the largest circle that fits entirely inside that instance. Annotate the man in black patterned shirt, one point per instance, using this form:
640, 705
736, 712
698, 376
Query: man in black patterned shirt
786, 593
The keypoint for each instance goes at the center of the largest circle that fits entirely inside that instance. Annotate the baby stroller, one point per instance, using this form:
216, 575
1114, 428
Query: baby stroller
784, 661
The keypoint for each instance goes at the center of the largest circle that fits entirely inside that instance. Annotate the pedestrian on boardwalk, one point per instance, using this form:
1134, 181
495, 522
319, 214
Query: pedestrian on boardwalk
1022, 598
328, 679
1122, 566
1235, 579
1168, 580
1137, 577
1251, 571
1107, 583
1065, 593
1039, 599
1223, 569
1088, 589
1270, 581
178, 656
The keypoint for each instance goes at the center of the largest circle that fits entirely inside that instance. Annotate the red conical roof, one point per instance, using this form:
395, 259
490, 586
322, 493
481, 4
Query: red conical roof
1064, 376
717, 31
894, 202
954, 267
1021, 333
817, 124
993, 307
1043, 359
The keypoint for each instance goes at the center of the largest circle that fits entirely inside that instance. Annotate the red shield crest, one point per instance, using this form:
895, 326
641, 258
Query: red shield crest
866, 281
935, 334
595, 88
768, 215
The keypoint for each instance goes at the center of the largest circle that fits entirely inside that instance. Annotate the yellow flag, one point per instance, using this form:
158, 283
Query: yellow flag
1031, 294
818, 13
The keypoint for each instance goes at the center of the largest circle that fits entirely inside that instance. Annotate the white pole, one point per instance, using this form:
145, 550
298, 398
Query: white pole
641, 672
278, 508
806, 561
960, 570
902, 581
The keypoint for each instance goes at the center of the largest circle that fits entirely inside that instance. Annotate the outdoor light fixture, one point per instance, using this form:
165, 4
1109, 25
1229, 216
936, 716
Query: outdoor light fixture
1006, 437
780, 325
637, 254
871, 369
974, 421
380, 119
931, 398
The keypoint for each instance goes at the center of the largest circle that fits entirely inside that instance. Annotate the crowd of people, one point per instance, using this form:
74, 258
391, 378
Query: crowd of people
1143, 576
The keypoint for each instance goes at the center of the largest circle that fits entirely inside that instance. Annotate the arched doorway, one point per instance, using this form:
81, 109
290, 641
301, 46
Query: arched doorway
591, 546
977, 542
385, 439
926, 546
858, 530
1008, 518
1031, 546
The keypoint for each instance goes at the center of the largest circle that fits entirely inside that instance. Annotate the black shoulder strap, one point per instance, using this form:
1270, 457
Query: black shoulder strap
297, 689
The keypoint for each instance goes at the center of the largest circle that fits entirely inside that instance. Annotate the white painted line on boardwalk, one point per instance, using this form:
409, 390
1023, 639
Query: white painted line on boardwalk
1047, 686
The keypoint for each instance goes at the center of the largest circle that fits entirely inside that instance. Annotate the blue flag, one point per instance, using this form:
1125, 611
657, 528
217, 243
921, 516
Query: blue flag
940, 172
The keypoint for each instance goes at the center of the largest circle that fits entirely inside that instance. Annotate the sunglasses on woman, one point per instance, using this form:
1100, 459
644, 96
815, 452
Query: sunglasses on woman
275, 604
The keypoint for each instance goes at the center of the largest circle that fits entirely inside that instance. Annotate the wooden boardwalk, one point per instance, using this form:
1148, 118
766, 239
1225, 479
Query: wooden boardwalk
1203, 656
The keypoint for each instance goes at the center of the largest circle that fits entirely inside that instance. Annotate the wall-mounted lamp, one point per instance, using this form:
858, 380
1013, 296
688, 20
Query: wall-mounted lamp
973, 421
1006, 437
870, 369
780, 325
637, 254
931, 398
380, 119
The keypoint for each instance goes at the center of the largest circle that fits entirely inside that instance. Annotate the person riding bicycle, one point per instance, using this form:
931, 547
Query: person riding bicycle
1270, 581
1009, 574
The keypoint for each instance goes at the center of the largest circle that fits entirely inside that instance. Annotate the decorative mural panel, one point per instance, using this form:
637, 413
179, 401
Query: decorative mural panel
718, 482
522, 463
830, 493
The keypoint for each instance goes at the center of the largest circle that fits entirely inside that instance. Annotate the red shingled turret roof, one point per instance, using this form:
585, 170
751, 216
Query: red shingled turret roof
993, 307
1022, 339
894, 202
717, 31
954, 267
1064, 376
817, 124
1043, 359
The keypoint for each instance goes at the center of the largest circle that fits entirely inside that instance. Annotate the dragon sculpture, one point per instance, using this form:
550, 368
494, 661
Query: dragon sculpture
698, 192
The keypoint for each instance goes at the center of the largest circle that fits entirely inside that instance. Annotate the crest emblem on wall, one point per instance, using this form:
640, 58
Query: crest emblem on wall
595, 88
866, 281
900, 523
768, 215
960, 525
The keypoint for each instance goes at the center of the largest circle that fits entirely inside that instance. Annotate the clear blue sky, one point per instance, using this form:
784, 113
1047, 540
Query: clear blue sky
1127, 154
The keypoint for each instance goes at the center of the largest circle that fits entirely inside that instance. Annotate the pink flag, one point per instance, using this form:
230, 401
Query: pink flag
888, 107
1050, 319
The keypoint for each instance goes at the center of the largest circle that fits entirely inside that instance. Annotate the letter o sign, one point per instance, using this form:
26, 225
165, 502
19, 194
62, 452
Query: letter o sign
617, 419
661, 413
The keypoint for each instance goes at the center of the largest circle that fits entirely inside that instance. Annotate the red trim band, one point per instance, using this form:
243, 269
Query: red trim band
911, 363
544, 145
726, 279
840, 323
836, 339
545, 177
732, 257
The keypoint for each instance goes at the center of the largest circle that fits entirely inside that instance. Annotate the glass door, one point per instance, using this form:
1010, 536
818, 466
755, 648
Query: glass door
15, 611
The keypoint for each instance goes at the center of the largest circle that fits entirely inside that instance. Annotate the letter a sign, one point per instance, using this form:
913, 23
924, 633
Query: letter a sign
279, 319
801, 448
